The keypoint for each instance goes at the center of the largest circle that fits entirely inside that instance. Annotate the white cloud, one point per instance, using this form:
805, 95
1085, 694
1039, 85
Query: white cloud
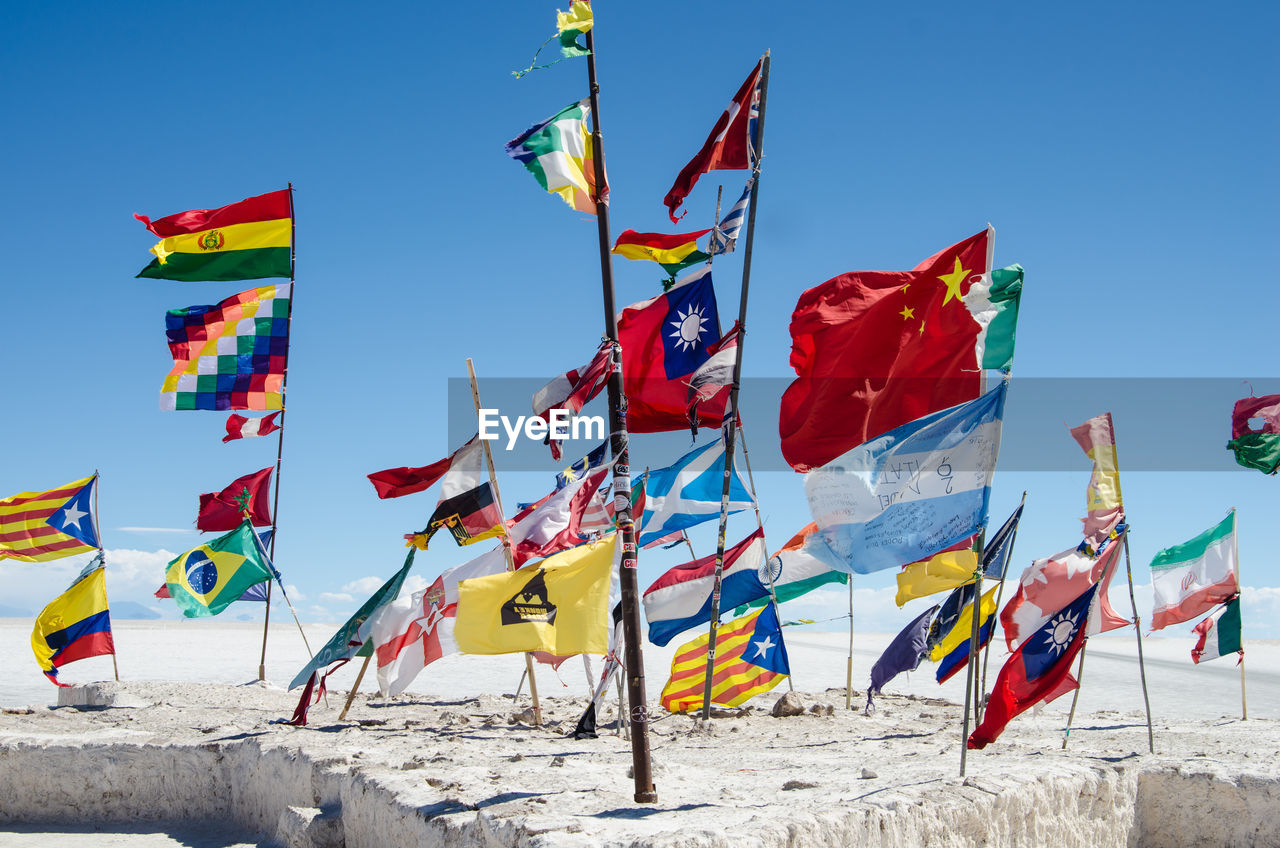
413, 583
364, 586
156, 529
295, 594
335, 598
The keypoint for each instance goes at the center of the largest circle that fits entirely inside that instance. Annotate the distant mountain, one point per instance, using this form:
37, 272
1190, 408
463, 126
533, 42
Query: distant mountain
15, 612
133, 610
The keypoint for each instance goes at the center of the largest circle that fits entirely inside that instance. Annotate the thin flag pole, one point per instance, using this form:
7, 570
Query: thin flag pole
102, 557
641, 763
1004, 574
970, 672
275, 498
848, 678
1142, 666
1235, 548
755, 504
1075, 696
355, 687
506, 542
729, 430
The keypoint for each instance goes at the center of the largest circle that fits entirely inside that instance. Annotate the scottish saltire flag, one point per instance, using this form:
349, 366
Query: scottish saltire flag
558, 152
687, 493
904, 496
724, 238
230, 355
681, 598
40, 526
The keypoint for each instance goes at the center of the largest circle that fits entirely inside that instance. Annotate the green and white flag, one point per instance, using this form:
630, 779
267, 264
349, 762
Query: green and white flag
1219, 634
1192, 578
559, 153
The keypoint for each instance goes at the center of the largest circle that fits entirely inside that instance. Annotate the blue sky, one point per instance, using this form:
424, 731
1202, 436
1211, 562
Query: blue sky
1124, 155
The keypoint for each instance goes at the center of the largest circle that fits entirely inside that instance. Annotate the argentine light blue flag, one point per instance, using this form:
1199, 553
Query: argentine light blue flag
908, 494
688, 492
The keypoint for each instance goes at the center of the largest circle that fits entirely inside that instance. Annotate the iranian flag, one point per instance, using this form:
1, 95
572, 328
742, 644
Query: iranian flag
1219, 634
1192, 578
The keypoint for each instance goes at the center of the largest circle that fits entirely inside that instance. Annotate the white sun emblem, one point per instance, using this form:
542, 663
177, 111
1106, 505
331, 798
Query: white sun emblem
689, 328
1063, 626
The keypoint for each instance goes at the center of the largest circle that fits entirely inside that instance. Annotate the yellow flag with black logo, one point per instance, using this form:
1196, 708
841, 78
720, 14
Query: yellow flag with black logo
559, 605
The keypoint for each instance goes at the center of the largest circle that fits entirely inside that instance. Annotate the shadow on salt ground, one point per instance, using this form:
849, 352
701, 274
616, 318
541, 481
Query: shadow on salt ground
151, 835
453, 805
1107, 727
886, 788
645, 812
1119, 759
236, 737
888, 736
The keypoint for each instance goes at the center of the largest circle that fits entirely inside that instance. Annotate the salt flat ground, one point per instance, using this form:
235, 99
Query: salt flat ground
214, 651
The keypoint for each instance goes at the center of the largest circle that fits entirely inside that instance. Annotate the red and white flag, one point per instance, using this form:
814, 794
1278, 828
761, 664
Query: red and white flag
240, 427
573, 390
556, 522
397, 482
1050, 584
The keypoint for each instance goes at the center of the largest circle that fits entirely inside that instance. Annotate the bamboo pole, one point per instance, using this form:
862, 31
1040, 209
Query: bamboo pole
351, 696
506, 542
1235, 548
730, 428
1142, 666
641, 761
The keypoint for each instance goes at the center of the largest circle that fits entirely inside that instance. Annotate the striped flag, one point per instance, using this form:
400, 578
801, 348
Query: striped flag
724, 238
1219, 634
39, 526
1192, 578
750, 658
558, 153
242, 427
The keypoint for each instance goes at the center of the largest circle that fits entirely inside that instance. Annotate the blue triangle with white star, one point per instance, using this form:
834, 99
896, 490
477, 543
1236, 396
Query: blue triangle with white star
75, 517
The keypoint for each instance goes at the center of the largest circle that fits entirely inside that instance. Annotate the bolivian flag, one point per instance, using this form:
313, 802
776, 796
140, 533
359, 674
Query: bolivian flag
247, 240
205, 580
673, 252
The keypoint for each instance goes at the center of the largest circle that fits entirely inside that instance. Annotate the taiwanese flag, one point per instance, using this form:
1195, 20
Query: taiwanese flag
247, 496
1038, 671
874, 350
730, 146
664, 340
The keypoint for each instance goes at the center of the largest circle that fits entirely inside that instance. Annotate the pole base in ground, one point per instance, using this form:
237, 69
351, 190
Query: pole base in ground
650, 797
262, 672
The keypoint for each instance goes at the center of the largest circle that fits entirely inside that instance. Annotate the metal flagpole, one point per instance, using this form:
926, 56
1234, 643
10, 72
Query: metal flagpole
1137, 626
1075, 696
1004, 574
1235, 548
729, 432
970, 672
102, 557
641, 764
848, 680
275, 499
506, 542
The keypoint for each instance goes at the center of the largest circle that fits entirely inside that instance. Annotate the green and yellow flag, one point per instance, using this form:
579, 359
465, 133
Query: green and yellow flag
246, 240
559, 605
205, 580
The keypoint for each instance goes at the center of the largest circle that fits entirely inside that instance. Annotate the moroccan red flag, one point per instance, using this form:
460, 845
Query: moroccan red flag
874, 350
249, 496
730, 146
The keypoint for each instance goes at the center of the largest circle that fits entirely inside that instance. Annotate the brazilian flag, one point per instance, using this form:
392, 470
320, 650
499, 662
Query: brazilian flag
205, 580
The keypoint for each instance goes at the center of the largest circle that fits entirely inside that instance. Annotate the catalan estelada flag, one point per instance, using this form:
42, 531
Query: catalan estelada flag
205, 580
75, 625
750, 659
231, 355
39, 526
247, 240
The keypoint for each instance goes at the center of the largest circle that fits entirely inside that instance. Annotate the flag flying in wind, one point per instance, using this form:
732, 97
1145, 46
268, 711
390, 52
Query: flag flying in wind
240, 427
664, 340
951, 653
40, 526
570, 26
724, 238
1256, 446
1051, 583
1097, 438
246, 497
681, 598
1219, 634
1192, 578
910, 493
256, 592
904, 653
559, 605
730, 146
246, 240
558, 152
874, 350
1040, 670
206, 579
398, 482
688, 492
713, 380
231, 355
577, 470
940, 572
75, 625
675, 249
750, 658
796, 571
998, 549
560, 520
467, 506
574, 389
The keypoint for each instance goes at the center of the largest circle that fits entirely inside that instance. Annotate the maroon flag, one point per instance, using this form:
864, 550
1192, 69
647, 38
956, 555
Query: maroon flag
240, 427
730, 146
247, 497
397, 482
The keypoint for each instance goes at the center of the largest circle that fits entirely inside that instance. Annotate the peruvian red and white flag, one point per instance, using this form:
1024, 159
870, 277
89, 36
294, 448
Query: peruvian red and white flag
1052, 583
240, 427
411, 633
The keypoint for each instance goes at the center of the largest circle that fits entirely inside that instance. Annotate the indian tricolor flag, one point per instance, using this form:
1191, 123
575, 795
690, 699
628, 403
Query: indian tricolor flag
248, 240
1192, 578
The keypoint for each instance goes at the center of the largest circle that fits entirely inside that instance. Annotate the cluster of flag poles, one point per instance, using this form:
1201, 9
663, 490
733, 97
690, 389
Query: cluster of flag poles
890, 418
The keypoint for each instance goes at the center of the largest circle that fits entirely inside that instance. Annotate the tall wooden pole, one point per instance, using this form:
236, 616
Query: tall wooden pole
1137, 627
730, 429
506, 542
633, 658
275, 499
1075, 696
1235, 548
